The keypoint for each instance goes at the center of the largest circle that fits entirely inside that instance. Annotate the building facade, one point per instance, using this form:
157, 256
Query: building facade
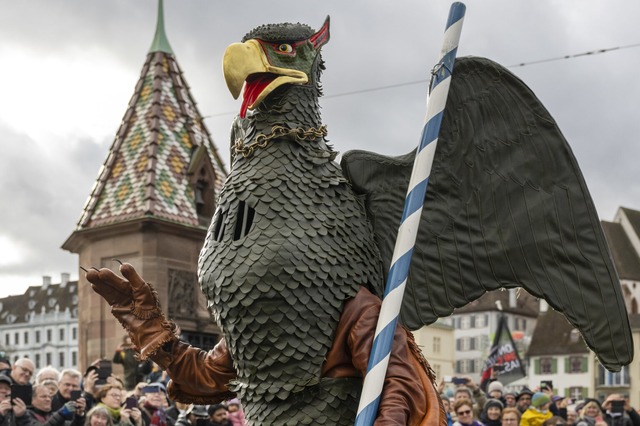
42, 324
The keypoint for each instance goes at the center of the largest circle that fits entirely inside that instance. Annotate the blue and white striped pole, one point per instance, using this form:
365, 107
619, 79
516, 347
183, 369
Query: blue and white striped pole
399, 271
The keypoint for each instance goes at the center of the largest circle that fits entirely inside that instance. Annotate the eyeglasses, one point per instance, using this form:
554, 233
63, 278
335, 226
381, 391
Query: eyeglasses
464, 413
26, 370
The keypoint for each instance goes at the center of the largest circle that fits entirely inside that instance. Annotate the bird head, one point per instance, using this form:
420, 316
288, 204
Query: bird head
272, 56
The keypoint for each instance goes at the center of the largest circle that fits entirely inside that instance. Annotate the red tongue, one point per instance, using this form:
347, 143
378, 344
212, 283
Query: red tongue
254, 85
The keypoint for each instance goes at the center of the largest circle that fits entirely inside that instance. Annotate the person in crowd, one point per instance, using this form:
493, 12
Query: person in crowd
177, 409
510, 417
109, 397
495, 390
98, 416
89, 386
523, 400
194, 415
509, 399
218, 415
538, 412
471, 391
156, 374
591, 414
446, 403
47, 373
572, 415
72, 413
555, 421
618, 411
137, 391
153, 408
5, 364
492, 412
558, 406
134, 370
69, 381
22, 371
12, 412
51, 385
235, 415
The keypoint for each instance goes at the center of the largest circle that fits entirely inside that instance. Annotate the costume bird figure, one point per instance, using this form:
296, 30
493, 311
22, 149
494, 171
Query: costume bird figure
297, 252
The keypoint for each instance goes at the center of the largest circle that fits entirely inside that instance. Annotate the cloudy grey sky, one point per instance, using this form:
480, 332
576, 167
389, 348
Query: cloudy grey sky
69, 67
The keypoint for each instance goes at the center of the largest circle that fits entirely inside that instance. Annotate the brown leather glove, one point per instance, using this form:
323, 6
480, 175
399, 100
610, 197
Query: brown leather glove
135, 304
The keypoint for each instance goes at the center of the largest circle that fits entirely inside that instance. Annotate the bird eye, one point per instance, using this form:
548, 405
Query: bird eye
285, 48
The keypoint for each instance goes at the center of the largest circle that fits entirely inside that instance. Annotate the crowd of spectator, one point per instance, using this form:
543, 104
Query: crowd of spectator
97, 397
466, 404
138, 398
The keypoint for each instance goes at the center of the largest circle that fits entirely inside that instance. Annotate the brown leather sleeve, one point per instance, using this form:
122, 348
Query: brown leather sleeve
408, 397
197, 376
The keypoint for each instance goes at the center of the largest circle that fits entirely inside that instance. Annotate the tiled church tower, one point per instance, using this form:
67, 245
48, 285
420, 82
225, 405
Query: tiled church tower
151, 205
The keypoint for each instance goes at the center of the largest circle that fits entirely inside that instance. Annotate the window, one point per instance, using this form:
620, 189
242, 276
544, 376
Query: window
16, 338
472, 321
48, 338
577, 392
7, 339
37, 336
546, 366
481, 320
520, 324
577, 364
48, 358
460, 366
436, 345
61, 359
462, 344
61, 332
74, 333
74, 358
26, 338
471, 365
472, 343
437, 369
607, 378
484, 342
465, 322
37, 361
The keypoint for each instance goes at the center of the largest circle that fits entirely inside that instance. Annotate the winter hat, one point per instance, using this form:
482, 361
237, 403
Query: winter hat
234, 401
539, 399
525, 391
6, 379
495, 386
493, 403
198, 411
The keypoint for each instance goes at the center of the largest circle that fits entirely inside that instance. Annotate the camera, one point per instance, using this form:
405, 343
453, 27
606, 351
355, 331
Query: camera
24, 392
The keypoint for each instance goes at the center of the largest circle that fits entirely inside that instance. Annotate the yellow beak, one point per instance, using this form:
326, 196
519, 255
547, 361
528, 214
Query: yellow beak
243, 59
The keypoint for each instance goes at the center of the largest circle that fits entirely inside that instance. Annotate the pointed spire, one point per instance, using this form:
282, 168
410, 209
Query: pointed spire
160, 42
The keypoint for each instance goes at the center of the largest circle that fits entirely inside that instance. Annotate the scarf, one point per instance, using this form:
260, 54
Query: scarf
113, 412
158, 416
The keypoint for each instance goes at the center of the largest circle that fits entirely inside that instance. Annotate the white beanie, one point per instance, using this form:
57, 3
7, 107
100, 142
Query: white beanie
495, 386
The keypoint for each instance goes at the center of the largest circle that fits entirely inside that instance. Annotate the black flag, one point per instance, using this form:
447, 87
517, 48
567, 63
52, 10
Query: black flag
503, 361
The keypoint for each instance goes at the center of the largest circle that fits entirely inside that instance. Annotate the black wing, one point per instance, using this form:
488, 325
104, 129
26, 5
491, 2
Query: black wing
506, 206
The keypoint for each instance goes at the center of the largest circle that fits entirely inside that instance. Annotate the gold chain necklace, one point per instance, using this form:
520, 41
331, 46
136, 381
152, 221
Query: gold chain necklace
262, 140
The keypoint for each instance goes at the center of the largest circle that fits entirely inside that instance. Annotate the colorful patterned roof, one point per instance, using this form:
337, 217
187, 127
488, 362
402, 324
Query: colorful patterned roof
146, 171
